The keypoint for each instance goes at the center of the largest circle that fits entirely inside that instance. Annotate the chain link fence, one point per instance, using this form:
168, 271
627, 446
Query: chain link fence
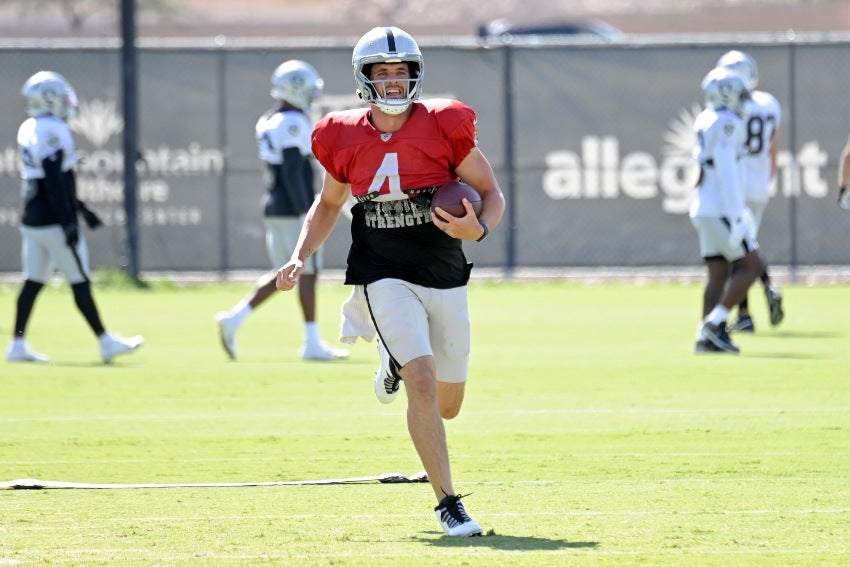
591, 144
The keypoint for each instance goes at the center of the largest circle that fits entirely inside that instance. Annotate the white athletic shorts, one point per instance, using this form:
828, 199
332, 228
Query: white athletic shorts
281, 237
714, 234
414, 321
758, 213
43, 248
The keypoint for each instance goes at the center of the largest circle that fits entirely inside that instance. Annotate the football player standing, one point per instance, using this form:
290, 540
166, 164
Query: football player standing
283, 143
409, 268
761, 144
718, 211
49, 229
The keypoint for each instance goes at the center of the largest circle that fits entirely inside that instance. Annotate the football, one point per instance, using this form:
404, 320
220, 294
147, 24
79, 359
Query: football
448, 197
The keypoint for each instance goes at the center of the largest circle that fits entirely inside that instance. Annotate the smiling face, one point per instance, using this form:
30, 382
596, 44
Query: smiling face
390, 80
388, 70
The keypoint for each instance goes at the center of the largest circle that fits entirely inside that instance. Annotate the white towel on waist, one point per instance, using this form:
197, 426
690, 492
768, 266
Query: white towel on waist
356, 319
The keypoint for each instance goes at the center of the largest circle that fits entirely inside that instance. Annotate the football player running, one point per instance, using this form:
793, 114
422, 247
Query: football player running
718, 211
408, 267
283, 143
761, 144
49, 227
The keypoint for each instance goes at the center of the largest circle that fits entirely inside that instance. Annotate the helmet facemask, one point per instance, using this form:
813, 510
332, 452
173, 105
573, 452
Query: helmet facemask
47, 92
725, 89
297, 83
391, 105
387, 45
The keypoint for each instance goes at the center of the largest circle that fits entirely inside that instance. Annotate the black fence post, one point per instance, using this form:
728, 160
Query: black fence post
510, 162
129, 73
795, 175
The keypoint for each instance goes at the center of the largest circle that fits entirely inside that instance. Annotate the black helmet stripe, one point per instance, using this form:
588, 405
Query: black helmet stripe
390, 40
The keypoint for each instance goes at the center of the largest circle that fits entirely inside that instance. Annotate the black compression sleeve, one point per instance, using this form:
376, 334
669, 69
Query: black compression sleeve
59, 189
293, 178
85, 303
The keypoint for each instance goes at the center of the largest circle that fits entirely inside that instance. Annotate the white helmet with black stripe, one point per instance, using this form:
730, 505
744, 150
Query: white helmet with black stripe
741, 63
50, 93
723, 88
298, 83
387, 45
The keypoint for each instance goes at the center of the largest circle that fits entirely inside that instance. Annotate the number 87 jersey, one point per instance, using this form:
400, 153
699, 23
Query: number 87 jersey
761, 141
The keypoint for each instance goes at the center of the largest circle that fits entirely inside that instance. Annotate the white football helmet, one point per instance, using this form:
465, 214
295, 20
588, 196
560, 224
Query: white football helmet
387, 45
297, 83
741, 63
724, 88
50, 93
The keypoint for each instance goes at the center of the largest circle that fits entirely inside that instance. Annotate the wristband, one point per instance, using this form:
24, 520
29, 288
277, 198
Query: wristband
486, 231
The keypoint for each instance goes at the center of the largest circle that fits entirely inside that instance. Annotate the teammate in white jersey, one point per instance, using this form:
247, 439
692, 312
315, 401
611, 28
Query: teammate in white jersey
718, 211
283, 142
761, 144
49, 229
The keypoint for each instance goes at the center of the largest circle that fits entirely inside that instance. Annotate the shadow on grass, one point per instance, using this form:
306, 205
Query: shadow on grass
789, 334
508, 543
82, 364
784, 355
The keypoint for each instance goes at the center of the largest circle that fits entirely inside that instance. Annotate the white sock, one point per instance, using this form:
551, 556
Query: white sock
718, 315
311, 333
241, 312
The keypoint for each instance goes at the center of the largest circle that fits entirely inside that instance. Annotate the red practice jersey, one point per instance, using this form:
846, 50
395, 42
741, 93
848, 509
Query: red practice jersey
437, 136
393, 176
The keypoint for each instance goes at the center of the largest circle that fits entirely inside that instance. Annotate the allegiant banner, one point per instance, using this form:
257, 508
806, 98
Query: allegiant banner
591, 143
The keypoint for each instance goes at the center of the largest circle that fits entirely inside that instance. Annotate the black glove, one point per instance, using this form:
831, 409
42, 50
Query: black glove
72, 234
92, 220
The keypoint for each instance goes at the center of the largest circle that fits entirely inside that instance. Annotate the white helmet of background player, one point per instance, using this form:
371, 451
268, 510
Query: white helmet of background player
50, 93
387, 45
741, 63
724, 88
297, 83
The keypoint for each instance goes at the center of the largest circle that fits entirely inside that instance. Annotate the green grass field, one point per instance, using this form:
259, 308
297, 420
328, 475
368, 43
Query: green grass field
591, 435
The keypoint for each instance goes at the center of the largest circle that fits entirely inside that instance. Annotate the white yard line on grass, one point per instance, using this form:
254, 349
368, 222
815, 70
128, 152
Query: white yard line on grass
368, 414
59, 521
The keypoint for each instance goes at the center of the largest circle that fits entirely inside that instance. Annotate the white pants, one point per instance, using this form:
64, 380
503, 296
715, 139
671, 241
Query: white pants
281, 237
44, 247
714, 235
757, 208
415, 321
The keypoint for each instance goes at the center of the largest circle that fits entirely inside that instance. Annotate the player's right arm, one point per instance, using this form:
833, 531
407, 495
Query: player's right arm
318, 225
